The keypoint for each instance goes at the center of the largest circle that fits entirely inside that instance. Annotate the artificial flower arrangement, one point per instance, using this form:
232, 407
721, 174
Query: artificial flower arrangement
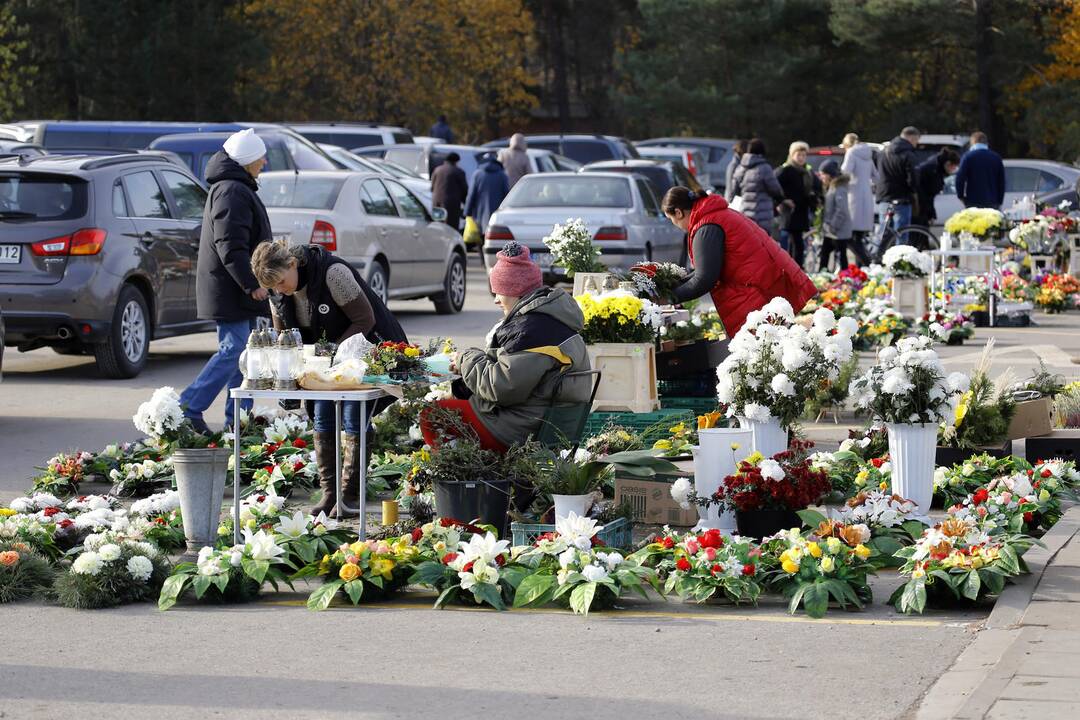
361, 570
63, 473
851, 472
158, 519
479, 566
775, 365
282, 443
1059, 216
980, 222
787, 481
285, 475
908, 385
1037, 235
949, 328
139, 479
161, 418
707, 565
229, 574
614, 439
957, 560
907, 262
305, 538
65, 523
1057, 293
973, 290
829, 562
39, 536
570, 567
24, 573
1005, 505
880, 324
1014, 288
572, 248
1052, 481
396, 359
619, 317
112, 569
984, 410
656, 280
956, 483
893, 521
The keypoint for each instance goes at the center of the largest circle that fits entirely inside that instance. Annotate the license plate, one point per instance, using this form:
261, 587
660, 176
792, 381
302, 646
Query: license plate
10, 254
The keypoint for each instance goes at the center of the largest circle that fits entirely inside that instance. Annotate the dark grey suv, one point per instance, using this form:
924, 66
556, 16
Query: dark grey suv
97, 255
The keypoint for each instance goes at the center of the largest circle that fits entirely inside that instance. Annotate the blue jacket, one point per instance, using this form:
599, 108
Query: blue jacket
980, 181
442, 130
489, 186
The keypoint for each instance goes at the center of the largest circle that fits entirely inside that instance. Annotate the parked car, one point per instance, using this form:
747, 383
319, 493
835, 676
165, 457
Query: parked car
930, 145
55, 135
663, 174
542, 161
98, 255
23, 132
18, 148
423, 158
351, 135
694, 160
1039, 178
377, 225
420, 187
719, 150
285, 150
620, 210
580, 148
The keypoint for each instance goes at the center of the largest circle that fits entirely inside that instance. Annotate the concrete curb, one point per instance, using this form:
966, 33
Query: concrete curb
970, 687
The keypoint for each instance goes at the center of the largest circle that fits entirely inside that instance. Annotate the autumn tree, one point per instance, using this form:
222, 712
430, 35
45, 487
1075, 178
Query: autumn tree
1050, 94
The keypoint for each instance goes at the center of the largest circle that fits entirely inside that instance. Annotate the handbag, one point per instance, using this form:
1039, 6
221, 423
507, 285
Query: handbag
472, 234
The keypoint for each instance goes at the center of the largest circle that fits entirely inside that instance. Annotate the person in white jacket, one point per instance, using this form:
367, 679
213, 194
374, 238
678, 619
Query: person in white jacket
859, 164
515, 159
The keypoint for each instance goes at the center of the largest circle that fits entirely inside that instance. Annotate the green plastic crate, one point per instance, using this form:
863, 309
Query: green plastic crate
697, 405
617, 534
635, 421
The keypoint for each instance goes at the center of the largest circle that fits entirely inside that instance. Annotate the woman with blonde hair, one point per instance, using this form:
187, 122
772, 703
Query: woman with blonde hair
324, 296
860, 167
801, 199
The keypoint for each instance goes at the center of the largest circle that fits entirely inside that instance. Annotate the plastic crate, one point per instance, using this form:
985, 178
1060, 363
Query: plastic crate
635, 421
617, 534
697, 405
695, 385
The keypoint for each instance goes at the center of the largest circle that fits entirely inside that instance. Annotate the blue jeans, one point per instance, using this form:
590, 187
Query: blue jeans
222, 371
901, 219
350, 417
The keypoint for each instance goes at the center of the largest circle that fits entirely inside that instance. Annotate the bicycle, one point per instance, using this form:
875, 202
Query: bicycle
884, 236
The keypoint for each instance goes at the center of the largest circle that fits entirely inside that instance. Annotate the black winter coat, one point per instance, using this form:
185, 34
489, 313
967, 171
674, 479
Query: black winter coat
896, 173
798, 185
930, 181
234, 222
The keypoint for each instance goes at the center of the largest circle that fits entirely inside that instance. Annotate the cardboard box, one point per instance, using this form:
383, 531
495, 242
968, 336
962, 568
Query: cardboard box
651, 500
949, 456
1063, 444
1032, 419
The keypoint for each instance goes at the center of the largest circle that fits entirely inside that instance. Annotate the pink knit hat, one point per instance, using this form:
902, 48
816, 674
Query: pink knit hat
515, 274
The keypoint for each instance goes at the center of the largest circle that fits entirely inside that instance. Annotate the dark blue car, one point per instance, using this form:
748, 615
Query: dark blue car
285, 150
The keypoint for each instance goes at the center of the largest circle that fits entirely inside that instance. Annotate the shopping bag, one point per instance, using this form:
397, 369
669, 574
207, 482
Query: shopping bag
472, 234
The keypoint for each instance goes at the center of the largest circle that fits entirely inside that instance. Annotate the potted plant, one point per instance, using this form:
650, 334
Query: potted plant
620, 334
952, 329
571, 481
716, 457
572, 249
775, 366
982, 417
200, 464
908, 390
909, 269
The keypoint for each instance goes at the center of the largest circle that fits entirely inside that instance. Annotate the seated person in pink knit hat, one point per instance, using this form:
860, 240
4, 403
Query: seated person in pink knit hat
505, 389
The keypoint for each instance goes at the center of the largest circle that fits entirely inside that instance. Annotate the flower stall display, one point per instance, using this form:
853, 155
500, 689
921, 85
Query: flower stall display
949, 328
880, 324
477, 566
361, 570
614, 439
956, 560
775, 365
24, 573
139, 479
979, 223
112, 569
1005, 505
572, 248
908, 390
567, 567
621, 332
232, 574
1057, 293
907, 262
398, 361
656, 280
814, 569
705, 566
1037, 236
894, 522
63, 473
954, 484
1014, 288
619, 317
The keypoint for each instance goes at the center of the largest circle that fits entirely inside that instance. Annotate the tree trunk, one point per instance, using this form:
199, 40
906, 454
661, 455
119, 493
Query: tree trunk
558, 51
983, 52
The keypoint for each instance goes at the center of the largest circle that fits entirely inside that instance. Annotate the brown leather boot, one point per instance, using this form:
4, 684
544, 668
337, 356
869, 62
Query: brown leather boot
350, 475
325, 455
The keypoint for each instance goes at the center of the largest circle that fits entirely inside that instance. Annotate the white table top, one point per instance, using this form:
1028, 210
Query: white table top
372, 394
963, 253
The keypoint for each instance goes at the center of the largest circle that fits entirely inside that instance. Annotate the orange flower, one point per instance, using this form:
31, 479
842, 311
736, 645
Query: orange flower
8, 558
853, 535
954, 527
825, 529
708, 420
857, 500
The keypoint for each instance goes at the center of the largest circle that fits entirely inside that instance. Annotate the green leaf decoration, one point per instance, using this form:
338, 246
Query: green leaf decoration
170, 591
972, 585
323, 595
354, 589
490, 594
535, 590
582, 596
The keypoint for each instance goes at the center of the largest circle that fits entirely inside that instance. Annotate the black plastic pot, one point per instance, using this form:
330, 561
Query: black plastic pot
483, 500
760, 524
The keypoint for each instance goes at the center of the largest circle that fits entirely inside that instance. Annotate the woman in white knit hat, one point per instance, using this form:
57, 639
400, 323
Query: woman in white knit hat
226, 291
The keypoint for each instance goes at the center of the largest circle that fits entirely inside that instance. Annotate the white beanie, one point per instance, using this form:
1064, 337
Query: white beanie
245, 147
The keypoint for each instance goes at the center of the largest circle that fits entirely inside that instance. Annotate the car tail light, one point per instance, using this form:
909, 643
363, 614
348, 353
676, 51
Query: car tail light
612, 232
324, 234
690, 164
498, 232
825, 152
52, 247
88, 241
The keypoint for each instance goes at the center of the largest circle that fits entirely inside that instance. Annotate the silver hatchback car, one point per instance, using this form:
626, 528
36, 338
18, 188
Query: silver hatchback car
375, 223
620, 210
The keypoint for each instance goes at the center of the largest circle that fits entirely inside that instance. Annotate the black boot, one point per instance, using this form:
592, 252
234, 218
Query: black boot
325, 455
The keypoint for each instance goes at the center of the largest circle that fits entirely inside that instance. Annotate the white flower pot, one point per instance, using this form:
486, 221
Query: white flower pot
200, 480
770, 437
912, 449
910, 296
566, 504
716, 457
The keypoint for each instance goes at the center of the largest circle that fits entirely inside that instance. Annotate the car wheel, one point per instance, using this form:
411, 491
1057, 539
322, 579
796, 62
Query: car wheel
379, 281
452, 300
123, 354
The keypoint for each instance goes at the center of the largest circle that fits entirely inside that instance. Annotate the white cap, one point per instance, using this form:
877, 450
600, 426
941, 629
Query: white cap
245, 147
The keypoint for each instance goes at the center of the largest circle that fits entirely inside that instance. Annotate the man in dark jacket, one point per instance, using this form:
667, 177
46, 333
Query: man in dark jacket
980, 181
896, 172
226, 291
441, 129
489, 186
449, 188
930, 179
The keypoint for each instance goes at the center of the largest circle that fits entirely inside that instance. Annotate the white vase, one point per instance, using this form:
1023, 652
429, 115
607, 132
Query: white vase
912, 449
716, 457
566, 504
770, 437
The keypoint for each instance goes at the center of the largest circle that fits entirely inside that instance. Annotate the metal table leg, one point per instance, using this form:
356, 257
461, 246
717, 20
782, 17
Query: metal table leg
363, 469
337, 460
236, 471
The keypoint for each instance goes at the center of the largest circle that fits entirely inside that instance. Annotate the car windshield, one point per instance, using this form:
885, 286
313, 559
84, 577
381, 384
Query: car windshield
298, 191
41, 198
540, 191
660, 177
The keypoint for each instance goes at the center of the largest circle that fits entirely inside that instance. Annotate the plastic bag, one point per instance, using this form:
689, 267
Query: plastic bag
472, 235
356, 347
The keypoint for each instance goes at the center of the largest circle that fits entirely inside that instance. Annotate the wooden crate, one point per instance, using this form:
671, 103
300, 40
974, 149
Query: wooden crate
628, 380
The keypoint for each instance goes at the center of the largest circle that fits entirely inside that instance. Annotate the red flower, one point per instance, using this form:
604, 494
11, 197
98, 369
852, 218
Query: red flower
211, 445
50, 511
66, 523
417, 534
500, 560
668, 543
682, 564
749, 569
596, 541
468, 567
1046, 473
715, 569
980, 496
449, 557
269, 469
877, 462
159, 520
711, 539
549, 536
297, 466
299, 443
1029, 516
267, 526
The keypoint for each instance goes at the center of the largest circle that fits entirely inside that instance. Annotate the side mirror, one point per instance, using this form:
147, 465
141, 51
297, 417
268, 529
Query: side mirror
438, 214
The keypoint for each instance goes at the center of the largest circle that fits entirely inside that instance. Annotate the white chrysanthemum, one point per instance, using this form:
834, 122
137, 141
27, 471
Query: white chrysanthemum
782, 385
771, 470
847, 327
89, 563
140, 567
824, 318
594, 573
680, 492
159, 415
109, 552
756, 412
958, 382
